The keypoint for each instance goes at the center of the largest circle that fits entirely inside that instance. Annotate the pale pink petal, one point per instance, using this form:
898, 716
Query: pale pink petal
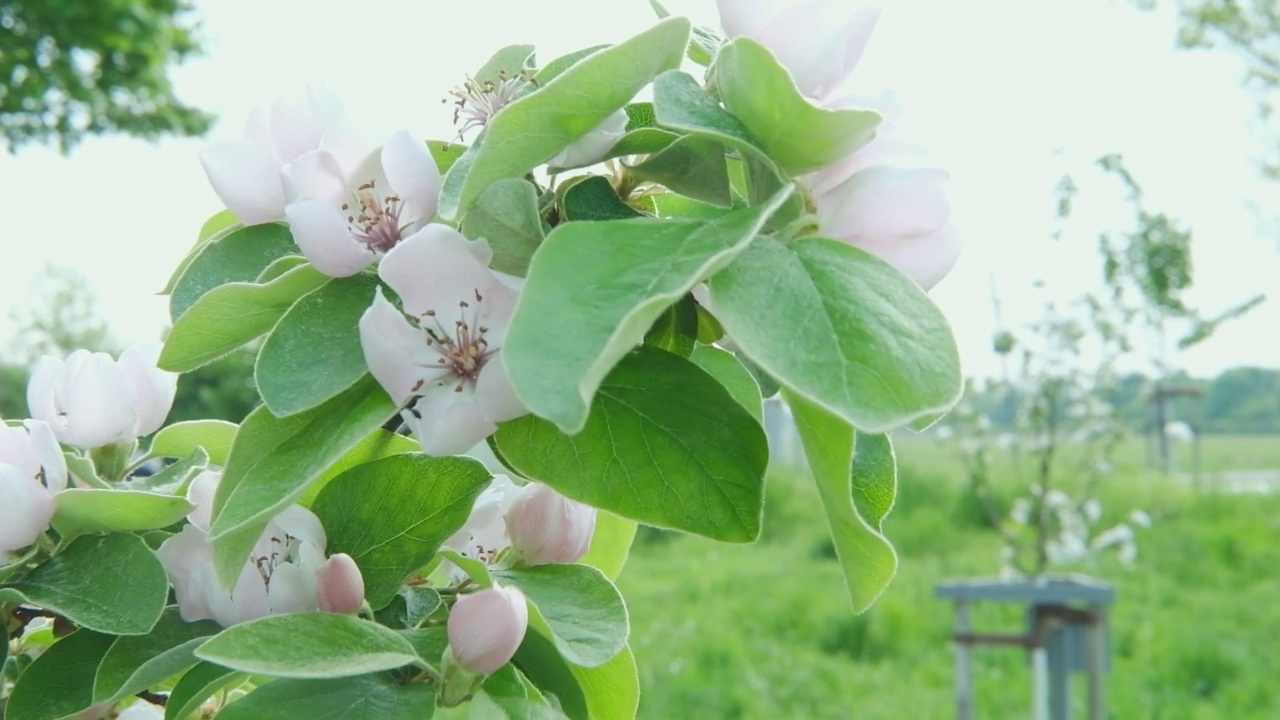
315, 175
292, 589
299, 522
435, 269
925, 258
299, 121
246, 177
486, 627
185, 558
589, 148
247, 601
200, 493
351, 145
49, 453
322, 234
494, 395
40, 392
257, 129
396, 352
340, 585
99, 401
155, 388
746, 17
884, 150
820, 42
413, 175
16, 449
885, 202
25, 509
450, 423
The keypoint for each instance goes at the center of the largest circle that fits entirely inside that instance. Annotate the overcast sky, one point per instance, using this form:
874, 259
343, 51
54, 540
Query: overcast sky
1008, 94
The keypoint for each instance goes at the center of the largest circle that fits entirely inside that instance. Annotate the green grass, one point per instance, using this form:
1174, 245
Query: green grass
764, 631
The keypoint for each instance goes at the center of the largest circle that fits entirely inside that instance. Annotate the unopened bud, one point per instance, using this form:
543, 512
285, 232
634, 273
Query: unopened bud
486, 627
339, 585
547, 527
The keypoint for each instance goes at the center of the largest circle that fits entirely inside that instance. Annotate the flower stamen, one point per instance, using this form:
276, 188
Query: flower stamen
478, 102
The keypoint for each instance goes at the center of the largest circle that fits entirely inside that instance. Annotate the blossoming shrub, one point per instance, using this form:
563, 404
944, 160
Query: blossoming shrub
601, 289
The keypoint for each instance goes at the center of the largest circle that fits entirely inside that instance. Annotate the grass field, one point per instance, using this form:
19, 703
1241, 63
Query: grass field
763, 631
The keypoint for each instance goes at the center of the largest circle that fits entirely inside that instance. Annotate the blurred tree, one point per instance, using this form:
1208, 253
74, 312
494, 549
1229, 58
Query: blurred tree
60, 315
73, 68
1244, 400
221, 390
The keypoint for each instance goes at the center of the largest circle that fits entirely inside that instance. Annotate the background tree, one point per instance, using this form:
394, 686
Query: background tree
73, 68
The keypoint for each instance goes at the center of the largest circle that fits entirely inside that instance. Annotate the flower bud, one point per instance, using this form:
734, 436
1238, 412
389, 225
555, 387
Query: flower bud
547, 527
339, 585
486, 627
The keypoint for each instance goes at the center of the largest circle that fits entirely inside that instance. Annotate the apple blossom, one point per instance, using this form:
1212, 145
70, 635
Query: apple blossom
281, 575
484, 535
547, 527
351, 204
479, 101
90, 400
486, 627
246, 173
591, 147
339, 585
142, 710
443, 352
819, 41
32, 470
887, 199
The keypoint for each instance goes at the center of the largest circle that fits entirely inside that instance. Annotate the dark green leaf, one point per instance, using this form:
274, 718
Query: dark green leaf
676, 329
181, 439
314, 352
136, 663
735, 378
59, 683
391, 515
199, 684
542, 663
595, 199
506, 215
81, 511
308, 645
875, 477
585, 612
368, 697
691, 166
664, 444
236, 255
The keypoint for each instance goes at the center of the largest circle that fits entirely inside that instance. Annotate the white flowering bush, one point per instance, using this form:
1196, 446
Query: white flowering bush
602, 289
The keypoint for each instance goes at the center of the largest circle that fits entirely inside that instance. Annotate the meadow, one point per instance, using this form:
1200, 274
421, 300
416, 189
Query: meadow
724, 631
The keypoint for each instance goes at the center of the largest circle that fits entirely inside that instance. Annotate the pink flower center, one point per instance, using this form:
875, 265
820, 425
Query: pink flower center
463, 349
376, 219
478, 102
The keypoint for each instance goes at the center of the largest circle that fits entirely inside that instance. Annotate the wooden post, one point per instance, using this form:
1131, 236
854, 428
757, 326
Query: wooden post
964, 664
1097, 663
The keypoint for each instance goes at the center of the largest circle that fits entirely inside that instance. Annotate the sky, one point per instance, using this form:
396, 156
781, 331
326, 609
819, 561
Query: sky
1008, 95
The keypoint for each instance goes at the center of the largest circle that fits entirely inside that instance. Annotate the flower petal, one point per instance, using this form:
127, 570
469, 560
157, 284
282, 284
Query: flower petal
186, 557
435, 269
155, 388
494, 395
885, 202
315, 175
322, 234
350, 144
246, 177
820, 42
25, 509
589, 148
98, 400
413, 175
396, 352
299, 121
200, 493
923, 258
301, 523
450, 423
40, 392
49, 454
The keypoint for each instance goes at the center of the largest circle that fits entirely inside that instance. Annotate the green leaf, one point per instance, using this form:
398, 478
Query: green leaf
308, 645
445, 154
136, 663
768, 385
507, 62
368, 697
609, 299
85, 583
274, 459
278, 267
735, 378
410, 606
841, 327
231, 315
557, 67
391, 515
865, 556
595, 199
610, 544
429, 642
477, 570
59, 684
382, 443
314, 351
612, 690
583, 609
539, 660
681, 104
506, 215
199, 684
875, 477
664, 444
82, 511
676, 329
237, 254
692, 166
221, 224
531, 130
173, 479
798, 135
642, 141
181, 439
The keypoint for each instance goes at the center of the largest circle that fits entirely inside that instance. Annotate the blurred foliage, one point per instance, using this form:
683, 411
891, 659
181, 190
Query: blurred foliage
73, 69
221, 390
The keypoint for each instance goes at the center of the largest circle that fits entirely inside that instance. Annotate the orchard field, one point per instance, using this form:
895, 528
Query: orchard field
723, 631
